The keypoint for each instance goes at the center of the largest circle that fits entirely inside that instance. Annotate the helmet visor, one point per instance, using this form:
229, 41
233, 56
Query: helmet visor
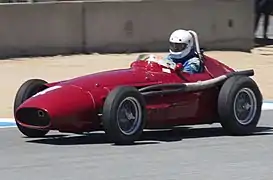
177, 47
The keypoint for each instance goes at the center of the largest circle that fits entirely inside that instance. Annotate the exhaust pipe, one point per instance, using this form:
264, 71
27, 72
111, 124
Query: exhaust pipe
191, 87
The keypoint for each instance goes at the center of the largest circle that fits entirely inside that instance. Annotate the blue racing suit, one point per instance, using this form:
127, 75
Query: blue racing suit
191, 63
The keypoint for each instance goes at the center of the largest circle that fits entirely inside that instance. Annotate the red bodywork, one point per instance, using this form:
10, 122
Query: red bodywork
76, 106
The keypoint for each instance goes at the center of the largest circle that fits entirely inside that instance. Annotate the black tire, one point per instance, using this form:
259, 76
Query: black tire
26, 90
227, 100
111, 124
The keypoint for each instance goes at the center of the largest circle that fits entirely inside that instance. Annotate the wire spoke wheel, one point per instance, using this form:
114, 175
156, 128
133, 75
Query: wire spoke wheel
245, 105
129, 115
124, 115
239, 105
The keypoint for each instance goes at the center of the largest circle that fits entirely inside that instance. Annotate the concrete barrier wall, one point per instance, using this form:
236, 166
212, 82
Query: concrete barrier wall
146, 25
71, 27
140, 26
40, 29
233, 25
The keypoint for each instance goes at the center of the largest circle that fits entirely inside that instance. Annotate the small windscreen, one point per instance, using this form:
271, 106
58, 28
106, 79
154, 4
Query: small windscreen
177, 47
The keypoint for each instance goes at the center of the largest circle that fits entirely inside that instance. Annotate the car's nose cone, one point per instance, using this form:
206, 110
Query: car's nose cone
56, 102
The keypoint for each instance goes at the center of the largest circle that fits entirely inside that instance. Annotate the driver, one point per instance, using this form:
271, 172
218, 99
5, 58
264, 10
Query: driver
182, 51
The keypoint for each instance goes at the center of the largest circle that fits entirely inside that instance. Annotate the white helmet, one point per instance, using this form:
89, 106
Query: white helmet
181, 43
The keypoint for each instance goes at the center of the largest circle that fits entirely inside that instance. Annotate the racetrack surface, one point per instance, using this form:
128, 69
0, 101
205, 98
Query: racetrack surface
203, 152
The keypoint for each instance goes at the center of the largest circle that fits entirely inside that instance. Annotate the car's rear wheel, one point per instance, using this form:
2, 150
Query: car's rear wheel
27, 90
239, 105
124, 115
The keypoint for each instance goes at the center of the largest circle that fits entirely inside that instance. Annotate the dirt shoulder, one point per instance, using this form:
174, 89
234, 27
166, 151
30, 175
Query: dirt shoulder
15, 71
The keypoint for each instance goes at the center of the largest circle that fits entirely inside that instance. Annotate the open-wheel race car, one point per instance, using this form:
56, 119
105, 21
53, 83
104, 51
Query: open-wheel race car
152, 93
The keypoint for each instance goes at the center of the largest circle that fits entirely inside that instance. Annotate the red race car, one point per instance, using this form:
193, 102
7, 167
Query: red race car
151, 93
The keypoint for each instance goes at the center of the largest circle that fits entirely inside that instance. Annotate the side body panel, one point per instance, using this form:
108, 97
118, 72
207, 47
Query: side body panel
188, 108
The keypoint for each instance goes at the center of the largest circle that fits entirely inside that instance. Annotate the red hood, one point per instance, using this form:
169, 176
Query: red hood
133, 77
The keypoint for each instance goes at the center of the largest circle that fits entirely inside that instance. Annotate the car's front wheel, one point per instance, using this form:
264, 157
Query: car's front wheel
124, 115
27, 90
239, 105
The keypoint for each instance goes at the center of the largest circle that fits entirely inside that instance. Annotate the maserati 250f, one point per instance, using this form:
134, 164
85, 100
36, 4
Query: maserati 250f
151, 93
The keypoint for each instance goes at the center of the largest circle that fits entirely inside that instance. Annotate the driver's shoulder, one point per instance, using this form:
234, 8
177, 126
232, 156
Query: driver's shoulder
194, 60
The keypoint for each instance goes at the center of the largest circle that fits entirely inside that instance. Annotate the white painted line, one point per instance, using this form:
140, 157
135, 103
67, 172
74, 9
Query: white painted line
267, 106
8, 120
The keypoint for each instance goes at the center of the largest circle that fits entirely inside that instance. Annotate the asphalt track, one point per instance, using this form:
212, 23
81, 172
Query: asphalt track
196, 152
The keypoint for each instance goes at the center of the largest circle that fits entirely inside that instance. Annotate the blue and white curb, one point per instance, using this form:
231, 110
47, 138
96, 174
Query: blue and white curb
10, 122
7, 122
